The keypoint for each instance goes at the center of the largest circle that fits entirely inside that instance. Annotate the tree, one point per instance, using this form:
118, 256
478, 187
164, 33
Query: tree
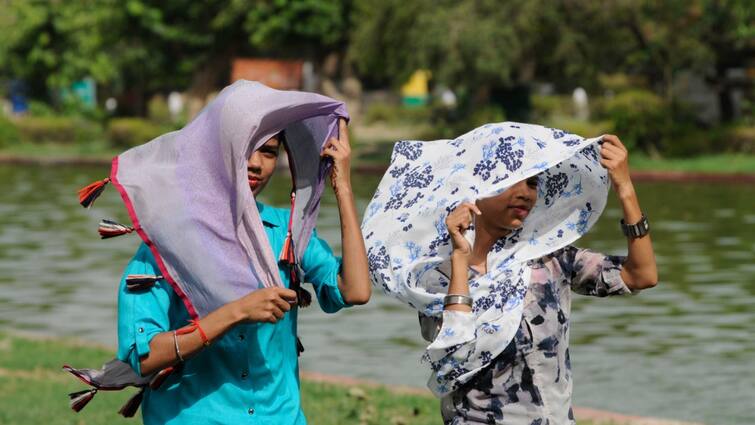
143, 46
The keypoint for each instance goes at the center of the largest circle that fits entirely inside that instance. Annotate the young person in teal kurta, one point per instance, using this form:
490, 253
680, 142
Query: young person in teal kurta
249, 372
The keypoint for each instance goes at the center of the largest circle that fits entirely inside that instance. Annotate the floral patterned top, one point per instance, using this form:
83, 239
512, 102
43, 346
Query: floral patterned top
530, 383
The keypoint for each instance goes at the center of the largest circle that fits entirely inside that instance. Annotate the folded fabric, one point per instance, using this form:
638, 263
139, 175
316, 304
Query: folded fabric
407, 239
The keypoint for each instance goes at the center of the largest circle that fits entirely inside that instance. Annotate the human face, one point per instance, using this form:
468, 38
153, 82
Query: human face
261, 165
506, 211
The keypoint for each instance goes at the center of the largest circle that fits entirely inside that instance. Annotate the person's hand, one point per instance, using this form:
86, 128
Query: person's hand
615, 158
339, 150
265, 305
457, 222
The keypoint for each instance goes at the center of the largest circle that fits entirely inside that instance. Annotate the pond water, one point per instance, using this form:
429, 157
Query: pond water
684, 350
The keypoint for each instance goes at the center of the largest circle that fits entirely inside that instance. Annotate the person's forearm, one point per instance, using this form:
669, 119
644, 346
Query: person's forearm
639, 270
354, 282
459, 280
163, 349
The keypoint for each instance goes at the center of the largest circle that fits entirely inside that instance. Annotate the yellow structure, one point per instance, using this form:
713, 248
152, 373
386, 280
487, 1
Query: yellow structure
415, 92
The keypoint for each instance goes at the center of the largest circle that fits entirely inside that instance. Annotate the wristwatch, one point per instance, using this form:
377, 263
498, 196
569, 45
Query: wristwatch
637, 230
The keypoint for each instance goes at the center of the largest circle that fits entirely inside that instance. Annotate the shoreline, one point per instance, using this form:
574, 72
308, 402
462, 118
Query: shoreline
379, 169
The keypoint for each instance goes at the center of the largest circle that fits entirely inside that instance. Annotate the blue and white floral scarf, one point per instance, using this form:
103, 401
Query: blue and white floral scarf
407, 240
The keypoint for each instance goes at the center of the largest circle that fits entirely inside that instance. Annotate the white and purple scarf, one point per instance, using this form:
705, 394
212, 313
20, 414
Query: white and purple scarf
407, 239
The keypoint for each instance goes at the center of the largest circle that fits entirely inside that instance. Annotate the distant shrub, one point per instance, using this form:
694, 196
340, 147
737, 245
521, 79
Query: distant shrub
742, 139
50, 129
546, 107
157, 109
485, 115
8, 132
396, 114
130, 132
579, 127
641, 118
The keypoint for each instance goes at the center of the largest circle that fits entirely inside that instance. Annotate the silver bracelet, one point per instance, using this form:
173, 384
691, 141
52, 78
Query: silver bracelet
457, 299
178, 352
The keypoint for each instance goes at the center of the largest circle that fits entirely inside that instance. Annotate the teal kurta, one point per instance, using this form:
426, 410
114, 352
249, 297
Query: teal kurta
249, 375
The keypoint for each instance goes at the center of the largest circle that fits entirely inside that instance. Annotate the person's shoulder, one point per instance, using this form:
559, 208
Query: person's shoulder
562, 257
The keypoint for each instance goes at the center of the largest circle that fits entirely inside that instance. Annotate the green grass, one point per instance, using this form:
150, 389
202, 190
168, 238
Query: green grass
33, 390
90, 150
379, 153
721, 163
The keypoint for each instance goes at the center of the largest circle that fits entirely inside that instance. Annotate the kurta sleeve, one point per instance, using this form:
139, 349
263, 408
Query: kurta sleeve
321, 269
141, 314
592, 273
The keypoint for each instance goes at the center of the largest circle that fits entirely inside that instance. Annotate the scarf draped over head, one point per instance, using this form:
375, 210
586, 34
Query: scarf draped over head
407, 239
188, 195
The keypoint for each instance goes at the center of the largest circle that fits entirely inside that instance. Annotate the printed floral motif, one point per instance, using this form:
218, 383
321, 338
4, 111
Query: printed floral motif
539, 352
409, 240
411, 150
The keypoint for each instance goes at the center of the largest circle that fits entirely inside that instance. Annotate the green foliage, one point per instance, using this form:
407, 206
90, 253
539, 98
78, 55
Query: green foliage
130, 132
545, 107
56, 129
33, 363
740, 138
8, 132
640, 117
459, 41
158, 111
396, 114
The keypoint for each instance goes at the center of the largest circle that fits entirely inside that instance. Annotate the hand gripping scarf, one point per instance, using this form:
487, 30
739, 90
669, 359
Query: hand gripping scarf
407, 239
188, 197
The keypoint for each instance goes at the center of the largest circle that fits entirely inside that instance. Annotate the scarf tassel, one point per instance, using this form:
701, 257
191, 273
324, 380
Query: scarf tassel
80, 399
132, 405
110, 229
90, 193
140, 282
287, 253
303, 297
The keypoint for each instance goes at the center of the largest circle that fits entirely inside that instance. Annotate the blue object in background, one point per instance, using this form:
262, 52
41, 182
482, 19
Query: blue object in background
17, 92
86, 91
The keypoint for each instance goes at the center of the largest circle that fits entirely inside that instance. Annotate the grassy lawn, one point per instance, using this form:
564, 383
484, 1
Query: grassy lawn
722, 163
379, 153
33, 390
91, 150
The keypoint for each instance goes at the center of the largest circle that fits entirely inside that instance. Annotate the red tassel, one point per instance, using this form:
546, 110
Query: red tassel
287, 253
132, 405
110, 229
80, 399
89, 194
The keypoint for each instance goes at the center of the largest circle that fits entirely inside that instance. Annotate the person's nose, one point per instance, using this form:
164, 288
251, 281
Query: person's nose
254, 164
524, 192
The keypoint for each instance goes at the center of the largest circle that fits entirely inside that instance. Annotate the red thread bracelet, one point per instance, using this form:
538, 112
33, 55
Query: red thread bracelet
194, 325
205, 340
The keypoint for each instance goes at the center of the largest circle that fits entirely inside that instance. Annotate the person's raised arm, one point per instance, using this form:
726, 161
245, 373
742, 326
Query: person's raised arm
457, 222
354, 279
639, 271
